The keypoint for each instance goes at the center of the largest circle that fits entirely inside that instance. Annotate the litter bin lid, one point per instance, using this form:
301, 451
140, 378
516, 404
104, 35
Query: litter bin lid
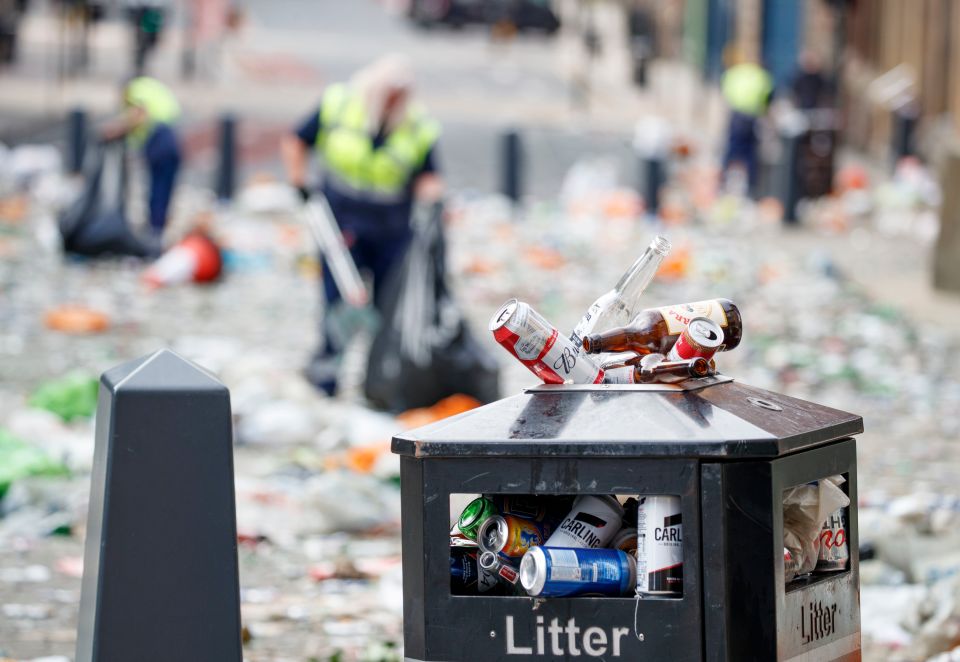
723, 420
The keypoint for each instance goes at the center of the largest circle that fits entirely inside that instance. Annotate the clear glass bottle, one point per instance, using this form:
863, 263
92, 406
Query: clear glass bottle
618, 306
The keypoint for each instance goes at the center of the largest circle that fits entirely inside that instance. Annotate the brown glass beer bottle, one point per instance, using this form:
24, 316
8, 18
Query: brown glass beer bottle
657, 329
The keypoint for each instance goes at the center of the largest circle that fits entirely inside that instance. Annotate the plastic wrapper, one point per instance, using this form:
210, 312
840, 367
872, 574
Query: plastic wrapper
805, 509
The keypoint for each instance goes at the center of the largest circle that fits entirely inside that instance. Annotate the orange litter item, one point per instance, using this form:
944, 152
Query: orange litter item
449, 406
76, 319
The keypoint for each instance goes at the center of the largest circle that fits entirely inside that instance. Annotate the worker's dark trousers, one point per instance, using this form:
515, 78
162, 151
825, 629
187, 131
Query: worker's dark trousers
377, 245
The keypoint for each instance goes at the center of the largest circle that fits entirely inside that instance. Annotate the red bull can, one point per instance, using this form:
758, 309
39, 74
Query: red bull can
511, 536
834, 551
538, 345
659, 545
703, 337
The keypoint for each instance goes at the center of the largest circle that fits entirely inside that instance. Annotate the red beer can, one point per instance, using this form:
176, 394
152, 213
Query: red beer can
539, 346
702, 337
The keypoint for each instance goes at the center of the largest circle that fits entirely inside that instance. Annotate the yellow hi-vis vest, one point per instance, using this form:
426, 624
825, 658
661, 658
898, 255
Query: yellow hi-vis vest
346, 146
156, 100
747, 88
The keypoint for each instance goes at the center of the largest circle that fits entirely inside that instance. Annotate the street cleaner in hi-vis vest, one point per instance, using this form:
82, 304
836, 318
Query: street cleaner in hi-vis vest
377, 147
150, 113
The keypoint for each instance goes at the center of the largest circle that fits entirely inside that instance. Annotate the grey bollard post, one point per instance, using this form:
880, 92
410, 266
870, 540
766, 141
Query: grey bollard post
511, 162
227, 170
76, 139
160, 578
654, 179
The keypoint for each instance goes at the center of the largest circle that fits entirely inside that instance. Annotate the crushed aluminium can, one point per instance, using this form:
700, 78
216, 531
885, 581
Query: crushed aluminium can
659, 545
538, 345
492, 562
834, 550
553, 572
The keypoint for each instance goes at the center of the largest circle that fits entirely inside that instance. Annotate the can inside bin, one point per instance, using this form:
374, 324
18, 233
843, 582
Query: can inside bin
809, 558
566, 545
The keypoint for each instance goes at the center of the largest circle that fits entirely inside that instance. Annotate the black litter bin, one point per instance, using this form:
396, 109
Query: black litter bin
727, 450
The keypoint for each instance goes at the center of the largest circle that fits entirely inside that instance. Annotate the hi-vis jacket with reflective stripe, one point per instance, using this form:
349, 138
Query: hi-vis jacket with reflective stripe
347, 148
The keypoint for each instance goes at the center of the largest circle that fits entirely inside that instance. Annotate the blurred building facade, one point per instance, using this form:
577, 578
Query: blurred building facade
897, 62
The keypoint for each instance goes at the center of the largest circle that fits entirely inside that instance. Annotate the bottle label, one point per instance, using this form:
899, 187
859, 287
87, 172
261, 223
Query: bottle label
678, 317
608, 305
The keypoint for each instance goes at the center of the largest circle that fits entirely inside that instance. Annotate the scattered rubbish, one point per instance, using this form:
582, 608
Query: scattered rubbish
72, 396
76, 319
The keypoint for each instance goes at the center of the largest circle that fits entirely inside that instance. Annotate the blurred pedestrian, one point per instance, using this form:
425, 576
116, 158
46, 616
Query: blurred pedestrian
148, 123
147, 18
378, 149
810, 87
747, 88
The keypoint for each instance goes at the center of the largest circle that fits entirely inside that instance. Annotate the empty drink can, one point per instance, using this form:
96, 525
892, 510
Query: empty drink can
539, 346
553, 572
834, 551
592, 522
475, 514
510, 536
659, 545
703, 337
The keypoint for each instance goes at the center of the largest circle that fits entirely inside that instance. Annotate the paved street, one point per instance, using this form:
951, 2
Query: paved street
843, 314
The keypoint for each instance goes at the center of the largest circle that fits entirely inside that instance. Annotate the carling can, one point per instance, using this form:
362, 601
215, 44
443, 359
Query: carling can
659, 545
475, 514
592, 522
539, 346
553, 572
703, 337
834, 551
510, 536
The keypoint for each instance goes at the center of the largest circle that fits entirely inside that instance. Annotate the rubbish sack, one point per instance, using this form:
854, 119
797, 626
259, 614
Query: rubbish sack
424, 351
72, 396
96, 223
19, 460
805, 509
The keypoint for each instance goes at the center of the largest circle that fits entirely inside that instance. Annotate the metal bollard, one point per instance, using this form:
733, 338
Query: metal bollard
160, 577
654, 178
790, 175
76, 139
227, 171
512, 165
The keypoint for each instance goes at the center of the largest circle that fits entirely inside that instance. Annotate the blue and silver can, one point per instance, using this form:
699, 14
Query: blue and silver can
554, 572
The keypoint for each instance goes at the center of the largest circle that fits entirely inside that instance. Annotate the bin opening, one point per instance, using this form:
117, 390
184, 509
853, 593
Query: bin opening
567, 545
815, 545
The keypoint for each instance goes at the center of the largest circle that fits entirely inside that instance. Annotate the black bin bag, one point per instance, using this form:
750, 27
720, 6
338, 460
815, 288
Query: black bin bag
96, 224
424, 350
